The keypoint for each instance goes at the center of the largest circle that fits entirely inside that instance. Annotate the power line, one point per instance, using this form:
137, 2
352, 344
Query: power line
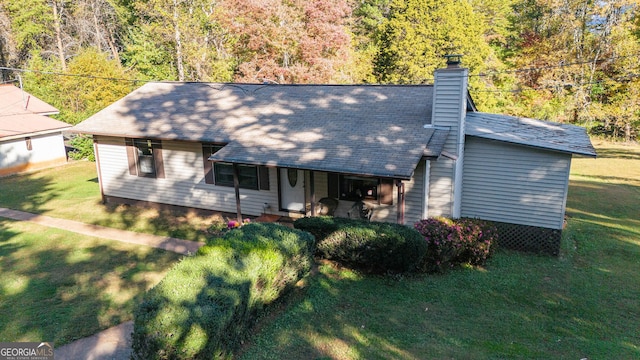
486, 74
88, 76
561, 65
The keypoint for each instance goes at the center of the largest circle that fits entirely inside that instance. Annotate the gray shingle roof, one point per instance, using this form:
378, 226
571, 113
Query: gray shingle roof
530, 132
361, 129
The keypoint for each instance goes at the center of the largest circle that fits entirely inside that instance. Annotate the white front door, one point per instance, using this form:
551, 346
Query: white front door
292, 189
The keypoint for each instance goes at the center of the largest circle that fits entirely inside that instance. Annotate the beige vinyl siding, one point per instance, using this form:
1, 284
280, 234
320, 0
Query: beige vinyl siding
414, 196
449, 109
184, 183
441, 188
447, 112
320, 185
449, 103
514, 184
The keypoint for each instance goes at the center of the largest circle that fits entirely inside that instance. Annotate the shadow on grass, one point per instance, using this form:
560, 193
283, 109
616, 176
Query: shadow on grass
27, 192
522, 306
58, 287
182, 223
610, 179
614, 206
582, 304
631, 152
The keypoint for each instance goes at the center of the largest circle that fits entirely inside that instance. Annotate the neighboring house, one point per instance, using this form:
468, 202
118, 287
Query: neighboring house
29, 138
409, 151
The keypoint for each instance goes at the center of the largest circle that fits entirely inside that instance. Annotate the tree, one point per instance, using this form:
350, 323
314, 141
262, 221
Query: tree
197, 42
147, 54
288, 41
96, 23
575, 47
101, 82
367, 19
7, 43
30, 25
419, 33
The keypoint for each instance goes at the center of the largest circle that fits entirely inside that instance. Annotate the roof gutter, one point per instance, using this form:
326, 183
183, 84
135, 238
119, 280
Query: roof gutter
35, 133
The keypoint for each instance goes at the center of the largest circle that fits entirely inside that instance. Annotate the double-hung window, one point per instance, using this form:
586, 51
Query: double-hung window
221, 173
145, 158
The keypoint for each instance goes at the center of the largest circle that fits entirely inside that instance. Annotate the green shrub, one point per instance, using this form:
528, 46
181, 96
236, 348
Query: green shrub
319, 226
454, 242
371, 246
206, 304
82, 148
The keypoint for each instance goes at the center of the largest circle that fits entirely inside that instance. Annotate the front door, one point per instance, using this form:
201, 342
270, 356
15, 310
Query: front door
292, 190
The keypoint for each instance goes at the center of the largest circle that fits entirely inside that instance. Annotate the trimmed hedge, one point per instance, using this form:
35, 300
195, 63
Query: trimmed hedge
206, 304
375, 247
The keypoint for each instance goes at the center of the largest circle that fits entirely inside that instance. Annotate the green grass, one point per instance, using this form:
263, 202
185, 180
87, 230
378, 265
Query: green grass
60, 286
72, 192
583, 304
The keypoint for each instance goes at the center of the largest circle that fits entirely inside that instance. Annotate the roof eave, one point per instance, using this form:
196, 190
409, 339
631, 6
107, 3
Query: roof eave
34, 133
592, 154
213, 158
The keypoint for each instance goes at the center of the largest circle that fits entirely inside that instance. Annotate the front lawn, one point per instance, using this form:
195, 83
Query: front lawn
583, 304
60, 286
72, 192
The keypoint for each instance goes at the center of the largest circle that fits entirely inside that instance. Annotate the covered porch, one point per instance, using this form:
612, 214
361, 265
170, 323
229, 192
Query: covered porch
366, 177
304, 192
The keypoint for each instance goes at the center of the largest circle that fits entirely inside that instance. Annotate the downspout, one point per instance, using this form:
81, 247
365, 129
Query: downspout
425, 189
457, 183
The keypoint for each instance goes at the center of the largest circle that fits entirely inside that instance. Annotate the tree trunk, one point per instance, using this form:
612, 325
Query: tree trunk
113, 47
178, 39
627, 132
58, 31
96, 25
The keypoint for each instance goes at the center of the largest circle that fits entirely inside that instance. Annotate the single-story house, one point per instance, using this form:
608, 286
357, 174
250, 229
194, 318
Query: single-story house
407, 151
29, 138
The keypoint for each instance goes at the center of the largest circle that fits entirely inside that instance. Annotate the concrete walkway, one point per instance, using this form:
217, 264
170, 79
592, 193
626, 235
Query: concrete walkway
113, 343
161, 242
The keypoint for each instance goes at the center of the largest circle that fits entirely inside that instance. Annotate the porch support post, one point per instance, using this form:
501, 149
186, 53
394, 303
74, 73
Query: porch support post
312, 189
97, 156
400, 216
236, 185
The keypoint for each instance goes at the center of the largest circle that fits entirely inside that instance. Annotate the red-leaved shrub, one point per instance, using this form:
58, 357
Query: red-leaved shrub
454, 242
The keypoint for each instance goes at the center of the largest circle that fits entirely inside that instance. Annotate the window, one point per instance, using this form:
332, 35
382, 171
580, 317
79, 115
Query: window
145, 158
221, 173
354, 188
29, 144
144, 155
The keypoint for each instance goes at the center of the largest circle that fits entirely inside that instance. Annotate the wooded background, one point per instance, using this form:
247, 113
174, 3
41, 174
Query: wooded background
574, 61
